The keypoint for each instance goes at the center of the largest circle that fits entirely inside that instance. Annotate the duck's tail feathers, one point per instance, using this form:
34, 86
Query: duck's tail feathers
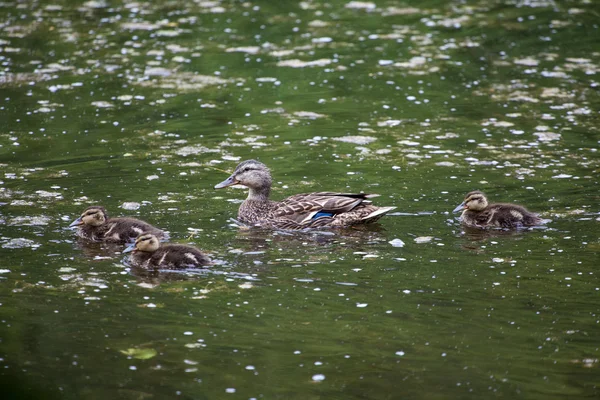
375, 215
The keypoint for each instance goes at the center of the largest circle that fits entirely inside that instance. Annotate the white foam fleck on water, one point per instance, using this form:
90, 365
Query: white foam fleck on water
361, 305
355, 139
20, 243
244, 49
318, 377
423, 239
400, 353
295, 63
266, 79
102, 104
397, 243
130, 205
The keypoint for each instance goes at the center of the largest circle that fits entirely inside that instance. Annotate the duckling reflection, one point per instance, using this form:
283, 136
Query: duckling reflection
301, 211
95, 225
148, 253
478, 213
155, 277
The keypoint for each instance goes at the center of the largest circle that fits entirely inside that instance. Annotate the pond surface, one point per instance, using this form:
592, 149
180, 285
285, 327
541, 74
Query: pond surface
144, 106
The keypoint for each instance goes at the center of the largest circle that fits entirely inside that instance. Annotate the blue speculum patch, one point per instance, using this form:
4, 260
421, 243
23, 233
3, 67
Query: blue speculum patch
322, 214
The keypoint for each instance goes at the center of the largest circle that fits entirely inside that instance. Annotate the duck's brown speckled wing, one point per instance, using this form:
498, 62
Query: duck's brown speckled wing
513, 216
122, 230
302, 207
290, 224
171, 256
176, 256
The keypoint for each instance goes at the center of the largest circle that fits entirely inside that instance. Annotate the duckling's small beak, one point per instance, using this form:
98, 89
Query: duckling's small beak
459, 208
77, 222
129, 248
227, 182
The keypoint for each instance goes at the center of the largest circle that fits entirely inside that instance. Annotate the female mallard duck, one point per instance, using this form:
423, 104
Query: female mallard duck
148, 253
94, 224
309, 210
478, 213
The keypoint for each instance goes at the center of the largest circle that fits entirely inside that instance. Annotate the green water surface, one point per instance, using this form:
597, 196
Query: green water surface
144, 106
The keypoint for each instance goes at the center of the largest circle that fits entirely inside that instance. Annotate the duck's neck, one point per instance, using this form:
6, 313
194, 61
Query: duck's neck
259, 194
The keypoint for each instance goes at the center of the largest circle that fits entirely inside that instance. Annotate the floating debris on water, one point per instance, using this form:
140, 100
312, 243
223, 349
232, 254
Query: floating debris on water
295, 63
361, 5
20, 243
29, 221
423, 239
396, 243
362, 140
130, 205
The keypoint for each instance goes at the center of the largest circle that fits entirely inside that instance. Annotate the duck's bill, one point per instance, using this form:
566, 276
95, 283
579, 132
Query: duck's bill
459, 208
77, 222
227, 182
129, 248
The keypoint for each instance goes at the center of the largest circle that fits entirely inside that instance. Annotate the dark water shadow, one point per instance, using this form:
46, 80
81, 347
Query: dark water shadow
98, 249
258, 239
474, 238
162, 276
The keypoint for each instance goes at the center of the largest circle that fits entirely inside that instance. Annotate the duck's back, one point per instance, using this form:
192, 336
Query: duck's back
173, 256
120, 230
313, 210
502, 215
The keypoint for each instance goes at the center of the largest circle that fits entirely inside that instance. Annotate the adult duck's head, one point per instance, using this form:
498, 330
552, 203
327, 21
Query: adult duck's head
475, 201
252, 174
93, 216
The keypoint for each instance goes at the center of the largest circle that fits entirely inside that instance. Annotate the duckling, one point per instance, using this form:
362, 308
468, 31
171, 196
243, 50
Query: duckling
147, 253
478, 213
94, 224
308, 210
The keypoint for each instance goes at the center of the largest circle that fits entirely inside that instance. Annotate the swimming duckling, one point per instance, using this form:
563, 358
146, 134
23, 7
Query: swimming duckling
94, 224
308, 210
147, 253
479, 214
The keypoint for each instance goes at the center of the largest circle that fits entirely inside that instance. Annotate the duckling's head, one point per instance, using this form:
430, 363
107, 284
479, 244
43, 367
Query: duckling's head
252, 174
93, 216
475, 201
146, 242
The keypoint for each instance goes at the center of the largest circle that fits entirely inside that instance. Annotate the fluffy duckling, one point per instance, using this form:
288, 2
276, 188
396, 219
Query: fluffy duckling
94, 224
308, 210
147, 253
478, 213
